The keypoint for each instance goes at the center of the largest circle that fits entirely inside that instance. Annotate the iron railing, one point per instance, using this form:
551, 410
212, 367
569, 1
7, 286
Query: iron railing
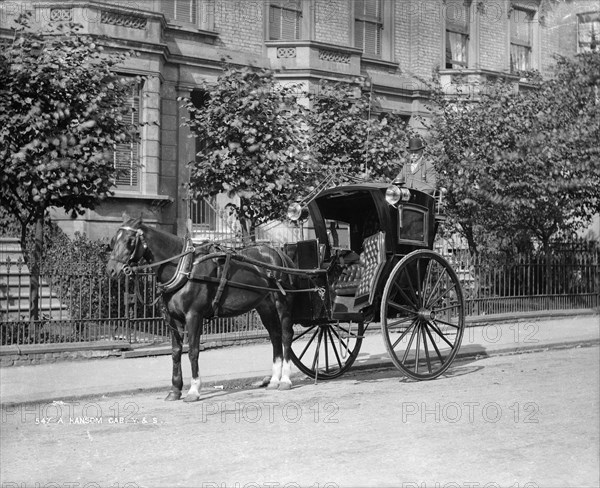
82, 305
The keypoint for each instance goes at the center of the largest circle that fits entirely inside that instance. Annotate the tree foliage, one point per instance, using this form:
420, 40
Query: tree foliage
253, 140
522, 167
349, 138
62, 112
260, 144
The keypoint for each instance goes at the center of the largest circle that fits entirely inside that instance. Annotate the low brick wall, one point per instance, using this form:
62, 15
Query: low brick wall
51, 353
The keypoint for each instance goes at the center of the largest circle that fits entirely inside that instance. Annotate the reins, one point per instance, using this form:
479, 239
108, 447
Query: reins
131, 269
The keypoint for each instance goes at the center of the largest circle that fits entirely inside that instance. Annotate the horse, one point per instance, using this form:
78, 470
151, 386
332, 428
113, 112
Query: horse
201, 282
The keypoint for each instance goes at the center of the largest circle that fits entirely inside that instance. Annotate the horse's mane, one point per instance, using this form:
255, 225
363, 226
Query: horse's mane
172, 241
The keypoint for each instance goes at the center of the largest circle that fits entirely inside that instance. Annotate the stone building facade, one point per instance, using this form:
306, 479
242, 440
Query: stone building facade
394, 42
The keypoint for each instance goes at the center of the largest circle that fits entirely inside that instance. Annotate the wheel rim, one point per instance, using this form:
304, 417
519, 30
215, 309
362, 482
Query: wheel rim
326, 351
422, 315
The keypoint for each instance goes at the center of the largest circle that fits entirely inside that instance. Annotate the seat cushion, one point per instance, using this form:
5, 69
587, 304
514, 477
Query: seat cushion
348, 281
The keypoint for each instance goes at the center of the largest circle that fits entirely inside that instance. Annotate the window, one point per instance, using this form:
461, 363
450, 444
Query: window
285, 20
180, 10
203, 213
127, 156
588, 32
457, 34
368, 26
521, 39
412, 225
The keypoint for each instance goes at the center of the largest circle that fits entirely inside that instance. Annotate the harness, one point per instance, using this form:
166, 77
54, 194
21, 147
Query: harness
187, 269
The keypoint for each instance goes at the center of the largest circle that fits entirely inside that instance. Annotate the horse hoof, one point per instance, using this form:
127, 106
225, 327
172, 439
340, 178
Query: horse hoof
172, 396
272, 386
265, 382
191, 398
285, 386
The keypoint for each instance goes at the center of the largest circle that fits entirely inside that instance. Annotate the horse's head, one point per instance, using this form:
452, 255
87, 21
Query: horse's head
128, 246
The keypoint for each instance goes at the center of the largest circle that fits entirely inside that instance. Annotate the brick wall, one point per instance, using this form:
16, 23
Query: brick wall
241, 24
493, 41
333, 22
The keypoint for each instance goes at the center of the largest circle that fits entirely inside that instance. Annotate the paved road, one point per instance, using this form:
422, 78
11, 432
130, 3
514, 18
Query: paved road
529, 420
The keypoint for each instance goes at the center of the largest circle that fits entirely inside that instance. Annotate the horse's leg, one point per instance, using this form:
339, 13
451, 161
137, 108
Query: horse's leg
270, 319
194, 323
284, 309
177, 378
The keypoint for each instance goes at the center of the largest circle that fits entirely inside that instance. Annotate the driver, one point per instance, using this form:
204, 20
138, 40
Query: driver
418, 171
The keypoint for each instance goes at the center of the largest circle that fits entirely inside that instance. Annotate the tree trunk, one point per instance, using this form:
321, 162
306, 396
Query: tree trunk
548, 264
469, 235
34, 269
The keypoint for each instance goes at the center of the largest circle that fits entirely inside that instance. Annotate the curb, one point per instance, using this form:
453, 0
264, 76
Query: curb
470, 321
244, 383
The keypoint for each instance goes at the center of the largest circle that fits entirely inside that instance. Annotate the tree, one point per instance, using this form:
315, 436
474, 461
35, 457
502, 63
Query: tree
349, 138
253, 144
522, 167
63, 110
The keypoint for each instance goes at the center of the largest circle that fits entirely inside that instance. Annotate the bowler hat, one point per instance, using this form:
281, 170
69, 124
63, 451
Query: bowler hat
415, 144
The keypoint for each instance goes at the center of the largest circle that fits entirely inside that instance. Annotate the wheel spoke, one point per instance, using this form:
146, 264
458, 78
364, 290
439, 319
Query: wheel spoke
433, 292
439, 332
412, 336
449, 307
309, 343
404, 295
303, 333
417, 302
430, 304
337, 357
434, 345
348, 331
316, 358
418, 349
426, 349
403, 334
326, 349
447, 323
346, 346
398, 322
397, 306
427, 275
419, 284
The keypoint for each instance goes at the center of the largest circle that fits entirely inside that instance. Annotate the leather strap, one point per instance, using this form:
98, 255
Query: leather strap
224, 273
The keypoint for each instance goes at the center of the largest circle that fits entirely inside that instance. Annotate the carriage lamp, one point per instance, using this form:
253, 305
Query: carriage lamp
296, 211
393, 194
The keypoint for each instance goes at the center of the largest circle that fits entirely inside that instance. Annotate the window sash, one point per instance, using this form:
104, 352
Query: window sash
126, 157
368, 26
458, 22
368, 10
284, 21
520, 58
180, 10
521, 27
457, 50
588, 30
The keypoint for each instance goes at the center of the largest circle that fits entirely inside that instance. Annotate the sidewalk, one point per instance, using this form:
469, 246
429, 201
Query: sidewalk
243, 365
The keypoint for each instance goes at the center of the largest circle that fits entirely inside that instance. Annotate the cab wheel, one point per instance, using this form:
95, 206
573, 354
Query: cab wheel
327, 351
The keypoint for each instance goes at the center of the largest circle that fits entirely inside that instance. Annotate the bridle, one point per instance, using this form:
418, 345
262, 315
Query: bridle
140, 249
